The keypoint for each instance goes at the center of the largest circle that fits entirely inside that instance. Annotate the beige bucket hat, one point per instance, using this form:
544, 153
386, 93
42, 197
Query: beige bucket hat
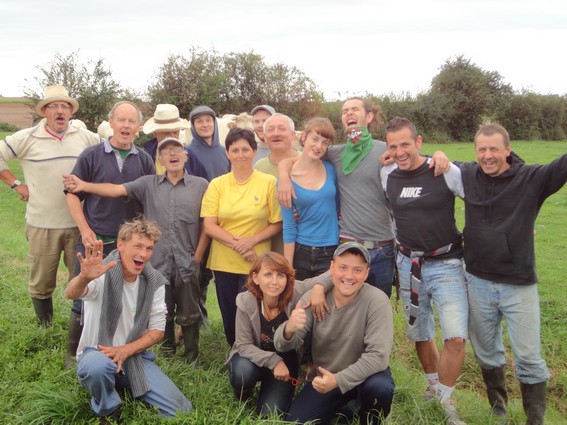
54, 94
166, 117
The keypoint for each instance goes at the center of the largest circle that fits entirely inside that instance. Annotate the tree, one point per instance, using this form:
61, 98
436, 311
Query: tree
232, 83
462, 95
91, 83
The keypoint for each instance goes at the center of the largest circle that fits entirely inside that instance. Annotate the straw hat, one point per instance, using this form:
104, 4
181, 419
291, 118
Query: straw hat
166, 117
55, 94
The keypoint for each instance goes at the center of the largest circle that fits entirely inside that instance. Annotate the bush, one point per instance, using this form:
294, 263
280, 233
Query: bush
4, 126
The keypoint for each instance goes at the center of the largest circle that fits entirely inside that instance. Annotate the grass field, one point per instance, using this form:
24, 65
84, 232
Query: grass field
35, 388
14, 100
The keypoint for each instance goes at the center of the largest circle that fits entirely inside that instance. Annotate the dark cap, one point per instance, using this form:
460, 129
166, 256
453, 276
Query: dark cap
266, 108
201, 110
342, 248
168, 141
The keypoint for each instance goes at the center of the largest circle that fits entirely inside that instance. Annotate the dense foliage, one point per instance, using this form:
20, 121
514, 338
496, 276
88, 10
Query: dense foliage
461, 96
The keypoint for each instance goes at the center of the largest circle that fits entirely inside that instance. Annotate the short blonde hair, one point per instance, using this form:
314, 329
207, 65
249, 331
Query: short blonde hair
141, 227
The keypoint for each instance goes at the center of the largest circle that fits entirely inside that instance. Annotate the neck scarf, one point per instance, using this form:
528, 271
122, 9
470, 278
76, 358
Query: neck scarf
359, 143
111, 310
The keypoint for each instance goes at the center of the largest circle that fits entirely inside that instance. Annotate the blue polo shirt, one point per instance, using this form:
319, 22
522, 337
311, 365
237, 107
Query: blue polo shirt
100, 164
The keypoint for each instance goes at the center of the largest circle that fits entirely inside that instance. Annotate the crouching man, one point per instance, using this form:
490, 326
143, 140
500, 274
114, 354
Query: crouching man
351, 347
124, 315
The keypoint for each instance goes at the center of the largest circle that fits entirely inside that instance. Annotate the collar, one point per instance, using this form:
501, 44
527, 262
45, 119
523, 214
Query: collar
109, 149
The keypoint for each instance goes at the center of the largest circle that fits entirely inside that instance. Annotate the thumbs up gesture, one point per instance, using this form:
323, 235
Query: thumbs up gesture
325, 382
296, 321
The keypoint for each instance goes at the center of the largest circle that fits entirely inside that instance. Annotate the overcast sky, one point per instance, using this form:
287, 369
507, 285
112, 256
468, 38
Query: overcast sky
346, 47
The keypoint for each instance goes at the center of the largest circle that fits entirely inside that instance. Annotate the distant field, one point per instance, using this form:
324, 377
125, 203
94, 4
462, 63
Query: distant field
14, 100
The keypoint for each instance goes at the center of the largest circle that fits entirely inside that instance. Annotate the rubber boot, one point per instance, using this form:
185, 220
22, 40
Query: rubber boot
43, 311
191, 343
168, 345
73, 337
495, 381
533, 400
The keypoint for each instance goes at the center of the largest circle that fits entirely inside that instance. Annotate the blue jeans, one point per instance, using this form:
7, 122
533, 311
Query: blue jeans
311, 261
442, 286
275, 396
228, 286
489, 302
97, 373
375, 395
382, 263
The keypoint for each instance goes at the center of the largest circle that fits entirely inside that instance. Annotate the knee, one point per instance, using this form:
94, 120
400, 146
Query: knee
242, 372
93, 364
455, 345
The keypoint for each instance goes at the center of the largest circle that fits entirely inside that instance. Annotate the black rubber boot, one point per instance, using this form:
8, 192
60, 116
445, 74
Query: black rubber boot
168, 345
73, 337
533, 400
495, 381
191, 343
43, 311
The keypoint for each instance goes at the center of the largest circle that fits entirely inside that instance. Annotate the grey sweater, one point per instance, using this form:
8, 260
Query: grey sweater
353, 342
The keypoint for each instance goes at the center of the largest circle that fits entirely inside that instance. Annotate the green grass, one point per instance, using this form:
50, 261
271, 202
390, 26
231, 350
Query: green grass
35, 389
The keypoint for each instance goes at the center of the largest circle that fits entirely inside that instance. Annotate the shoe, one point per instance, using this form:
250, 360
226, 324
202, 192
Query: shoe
430, 393
451, 413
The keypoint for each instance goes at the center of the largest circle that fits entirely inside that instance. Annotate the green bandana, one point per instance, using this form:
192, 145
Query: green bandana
359, 143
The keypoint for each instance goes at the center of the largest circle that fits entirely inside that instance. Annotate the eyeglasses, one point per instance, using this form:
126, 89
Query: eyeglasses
64, 106
172, 149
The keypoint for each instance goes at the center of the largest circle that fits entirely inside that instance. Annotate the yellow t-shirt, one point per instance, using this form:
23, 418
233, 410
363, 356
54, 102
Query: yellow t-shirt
242, 209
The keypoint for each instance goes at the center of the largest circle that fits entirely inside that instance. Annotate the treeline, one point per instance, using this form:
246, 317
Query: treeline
461, 96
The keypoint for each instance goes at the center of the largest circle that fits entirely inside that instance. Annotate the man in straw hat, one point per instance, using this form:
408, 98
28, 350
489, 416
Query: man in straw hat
47, 151
167, 123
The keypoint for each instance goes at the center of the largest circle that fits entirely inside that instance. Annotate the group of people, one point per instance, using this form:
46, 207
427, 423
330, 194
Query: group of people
153, 225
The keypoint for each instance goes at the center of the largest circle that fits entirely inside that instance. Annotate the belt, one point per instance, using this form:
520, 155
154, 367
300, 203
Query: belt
367, 244
315, 248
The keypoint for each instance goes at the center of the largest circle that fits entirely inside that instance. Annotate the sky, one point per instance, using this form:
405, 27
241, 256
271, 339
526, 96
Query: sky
347, 47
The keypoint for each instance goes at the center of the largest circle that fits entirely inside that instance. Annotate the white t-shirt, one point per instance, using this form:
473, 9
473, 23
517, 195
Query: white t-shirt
92, 310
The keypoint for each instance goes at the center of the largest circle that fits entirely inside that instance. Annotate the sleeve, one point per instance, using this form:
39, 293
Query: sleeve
454, 181
137, 189
384, 173
94, 288
158, 310
244, 343
555, 176
378, 341
274, 212
211, 200
301, 287
289, 224
8, 151
194, 166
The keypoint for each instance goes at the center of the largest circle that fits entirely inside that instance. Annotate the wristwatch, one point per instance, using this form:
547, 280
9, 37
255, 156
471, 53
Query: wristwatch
15, 184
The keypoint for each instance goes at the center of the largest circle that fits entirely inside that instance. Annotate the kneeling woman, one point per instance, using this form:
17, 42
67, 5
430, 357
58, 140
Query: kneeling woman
271, 296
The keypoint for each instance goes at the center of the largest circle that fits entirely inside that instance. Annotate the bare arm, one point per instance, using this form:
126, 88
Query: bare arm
108, 190
91, 268
243, 244
212, 229
76, 210
9, 178
285, 188
120, 354
202, 245
289, 251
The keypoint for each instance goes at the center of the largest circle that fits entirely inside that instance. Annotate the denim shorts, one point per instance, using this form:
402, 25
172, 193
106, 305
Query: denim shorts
443, 287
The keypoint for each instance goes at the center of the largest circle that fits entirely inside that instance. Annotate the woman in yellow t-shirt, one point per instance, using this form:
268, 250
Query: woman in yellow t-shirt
241, 213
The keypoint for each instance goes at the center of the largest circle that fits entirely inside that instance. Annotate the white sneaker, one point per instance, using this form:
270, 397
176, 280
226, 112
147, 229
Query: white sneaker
451, 413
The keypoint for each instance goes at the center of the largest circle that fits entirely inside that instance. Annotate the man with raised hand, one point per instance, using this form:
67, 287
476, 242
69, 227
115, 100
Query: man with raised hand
430, 258
124, 309
116, 160
46, 152
503, 199
351, 347
173, 201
